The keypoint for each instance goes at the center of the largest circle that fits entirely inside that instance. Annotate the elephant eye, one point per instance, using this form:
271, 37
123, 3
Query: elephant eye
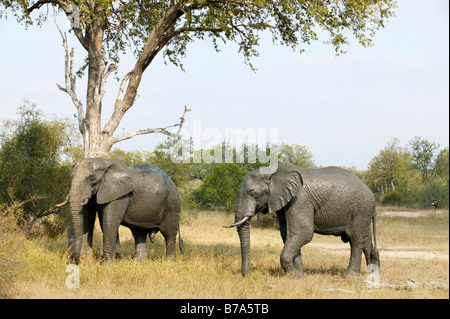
252, 192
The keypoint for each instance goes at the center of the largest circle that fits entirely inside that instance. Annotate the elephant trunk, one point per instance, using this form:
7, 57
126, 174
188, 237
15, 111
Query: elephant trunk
245, 210
244, 237
78, 225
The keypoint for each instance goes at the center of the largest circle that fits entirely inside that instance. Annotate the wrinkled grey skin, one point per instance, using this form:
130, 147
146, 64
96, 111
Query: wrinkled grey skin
328, 201
142, 198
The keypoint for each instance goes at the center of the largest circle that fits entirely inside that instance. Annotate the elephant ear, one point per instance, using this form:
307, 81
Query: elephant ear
116, 183
284, 184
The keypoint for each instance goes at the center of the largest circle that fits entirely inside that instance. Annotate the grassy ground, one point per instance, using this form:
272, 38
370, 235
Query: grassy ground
210, 266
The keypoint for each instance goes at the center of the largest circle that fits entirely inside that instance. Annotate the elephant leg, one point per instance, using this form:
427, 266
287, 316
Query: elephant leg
170, 239
360, 241
356, 249
119, 251
300, 231
368, 249
354, 266
283, 230
112, 216
140, 240
291, 258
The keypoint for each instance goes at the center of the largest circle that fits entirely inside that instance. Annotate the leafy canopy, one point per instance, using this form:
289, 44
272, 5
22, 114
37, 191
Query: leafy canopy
130, 24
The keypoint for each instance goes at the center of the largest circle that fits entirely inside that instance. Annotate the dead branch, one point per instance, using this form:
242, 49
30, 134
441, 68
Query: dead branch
164, 130
104, 76
410, 284
71, 81
182, 119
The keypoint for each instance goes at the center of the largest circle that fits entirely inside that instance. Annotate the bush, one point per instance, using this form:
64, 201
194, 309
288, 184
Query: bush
433, 191
392, 198
32, 169
220, 188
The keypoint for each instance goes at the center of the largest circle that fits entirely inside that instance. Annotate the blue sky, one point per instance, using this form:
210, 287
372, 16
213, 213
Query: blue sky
344, 109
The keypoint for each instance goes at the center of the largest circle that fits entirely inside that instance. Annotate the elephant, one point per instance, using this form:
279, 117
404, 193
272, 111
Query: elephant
328, 201
142, 198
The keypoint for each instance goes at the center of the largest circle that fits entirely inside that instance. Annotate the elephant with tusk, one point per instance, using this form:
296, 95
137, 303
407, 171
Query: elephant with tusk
329, 201
142, 198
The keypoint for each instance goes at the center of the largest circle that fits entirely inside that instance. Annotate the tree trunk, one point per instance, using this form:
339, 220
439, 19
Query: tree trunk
94, 144
97, 141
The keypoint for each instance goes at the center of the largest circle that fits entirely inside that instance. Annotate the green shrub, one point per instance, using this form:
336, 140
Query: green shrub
392, 198
220, 188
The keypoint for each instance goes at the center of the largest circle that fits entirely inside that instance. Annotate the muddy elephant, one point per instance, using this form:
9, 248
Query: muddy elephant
328, 201
142, 198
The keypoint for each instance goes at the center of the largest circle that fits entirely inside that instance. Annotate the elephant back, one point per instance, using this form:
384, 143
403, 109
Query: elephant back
150, 185
335, 184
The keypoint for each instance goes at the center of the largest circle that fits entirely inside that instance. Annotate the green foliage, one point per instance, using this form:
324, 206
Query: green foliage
441, 168
220, 188
291, 22
296, 154
32, 167
129, 158
428, 192
414, 178
422, 152
390, 168
392, 198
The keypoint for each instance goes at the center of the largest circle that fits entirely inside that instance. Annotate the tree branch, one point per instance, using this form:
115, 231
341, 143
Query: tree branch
127, 94
154, 130
155, 42
40, 3
70, 82
63, 5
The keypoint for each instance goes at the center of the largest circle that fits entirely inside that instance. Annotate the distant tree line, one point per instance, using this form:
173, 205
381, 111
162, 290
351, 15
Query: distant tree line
412, 175
37, 154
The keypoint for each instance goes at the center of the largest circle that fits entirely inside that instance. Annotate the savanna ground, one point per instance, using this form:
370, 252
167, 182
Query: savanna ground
412, 245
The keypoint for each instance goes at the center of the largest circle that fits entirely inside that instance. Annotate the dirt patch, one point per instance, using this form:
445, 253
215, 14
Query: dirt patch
413, 214
386, 252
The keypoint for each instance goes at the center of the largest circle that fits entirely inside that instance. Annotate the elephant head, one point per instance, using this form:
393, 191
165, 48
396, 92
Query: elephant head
101, 180
264, 190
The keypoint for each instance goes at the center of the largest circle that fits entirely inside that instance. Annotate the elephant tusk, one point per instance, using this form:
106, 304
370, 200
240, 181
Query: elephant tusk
238, 223
64, 203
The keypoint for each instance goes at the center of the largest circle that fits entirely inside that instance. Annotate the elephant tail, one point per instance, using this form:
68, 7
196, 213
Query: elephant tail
180, 242
374, 256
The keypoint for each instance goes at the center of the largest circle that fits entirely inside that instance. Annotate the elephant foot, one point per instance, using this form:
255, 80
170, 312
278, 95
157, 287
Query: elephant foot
351, 273
295, 274
74, 260
171, 258
120, 256
140, 259
107, 261
119, 252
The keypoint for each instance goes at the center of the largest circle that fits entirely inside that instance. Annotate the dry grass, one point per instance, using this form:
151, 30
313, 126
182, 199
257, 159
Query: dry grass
210, 266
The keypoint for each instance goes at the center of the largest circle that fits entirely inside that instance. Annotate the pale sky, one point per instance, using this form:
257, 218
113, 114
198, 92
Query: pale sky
344, 109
